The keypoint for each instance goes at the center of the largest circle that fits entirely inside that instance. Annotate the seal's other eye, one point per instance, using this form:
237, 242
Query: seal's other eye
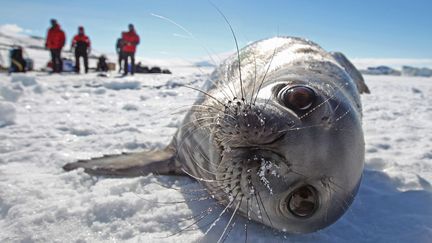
303, 202
298, 97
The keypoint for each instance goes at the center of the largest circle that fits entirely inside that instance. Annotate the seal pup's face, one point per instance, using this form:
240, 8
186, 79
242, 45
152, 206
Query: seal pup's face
291, 159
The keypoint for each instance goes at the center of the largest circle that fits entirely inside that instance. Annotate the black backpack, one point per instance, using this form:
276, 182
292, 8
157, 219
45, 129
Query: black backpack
18, 64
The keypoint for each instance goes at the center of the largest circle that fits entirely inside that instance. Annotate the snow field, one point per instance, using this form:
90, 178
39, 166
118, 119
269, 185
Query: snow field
50, 120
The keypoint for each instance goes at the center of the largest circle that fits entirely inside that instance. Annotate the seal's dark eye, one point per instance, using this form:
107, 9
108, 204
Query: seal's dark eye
303, 201
297, 97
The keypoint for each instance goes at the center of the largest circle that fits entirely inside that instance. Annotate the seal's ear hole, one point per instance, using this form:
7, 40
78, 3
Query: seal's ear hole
298, 98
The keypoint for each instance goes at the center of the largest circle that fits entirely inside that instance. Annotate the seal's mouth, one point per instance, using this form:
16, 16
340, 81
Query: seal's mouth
252, 170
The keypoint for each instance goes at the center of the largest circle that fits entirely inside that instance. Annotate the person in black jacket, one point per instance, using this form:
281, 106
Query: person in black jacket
102, 65
81, 44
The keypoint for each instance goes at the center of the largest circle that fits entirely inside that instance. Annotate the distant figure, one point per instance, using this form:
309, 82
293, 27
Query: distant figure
54, 42
102, 65
141, 69
119, 47
81, 44
18, 64
130, 40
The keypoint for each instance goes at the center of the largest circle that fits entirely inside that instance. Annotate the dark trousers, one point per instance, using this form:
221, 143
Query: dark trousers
56, 60
126, 56
77, 61
120, 59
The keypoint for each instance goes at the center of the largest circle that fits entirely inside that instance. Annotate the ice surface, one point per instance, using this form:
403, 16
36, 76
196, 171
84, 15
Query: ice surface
78, 117
25, 80
117, 85
7, 113
9, 93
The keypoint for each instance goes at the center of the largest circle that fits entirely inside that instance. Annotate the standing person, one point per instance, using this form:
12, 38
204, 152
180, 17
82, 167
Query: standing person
119, 47
54, 42
81, 44
130, 41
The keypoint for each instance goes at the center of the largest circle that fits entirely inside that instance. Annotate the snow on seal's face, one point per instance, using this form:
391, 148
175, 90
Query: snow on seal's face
288, 147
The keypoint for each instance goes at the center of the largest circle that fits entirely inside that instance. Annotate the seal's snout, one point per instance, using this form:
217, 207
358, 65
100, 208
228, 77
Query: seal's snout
248, 125
303, 201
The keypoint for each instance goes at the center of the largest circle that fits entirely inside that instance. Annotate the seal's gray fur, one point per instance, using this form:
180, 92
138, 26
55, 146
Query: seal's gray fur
252, 152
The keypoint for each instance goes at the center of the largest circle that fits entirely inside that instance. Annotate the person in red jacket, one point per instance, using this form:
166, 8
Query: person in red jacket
54, 42
130, 40
81, 45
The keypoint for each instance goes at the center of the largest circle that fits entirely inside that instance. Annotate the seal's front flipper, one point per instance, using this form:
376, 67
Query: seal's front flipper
352, 71
133, 164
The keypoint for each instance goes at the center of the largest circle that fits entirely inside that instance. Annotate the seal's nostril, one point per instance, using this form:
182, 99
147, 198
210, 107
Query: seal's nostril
303, 201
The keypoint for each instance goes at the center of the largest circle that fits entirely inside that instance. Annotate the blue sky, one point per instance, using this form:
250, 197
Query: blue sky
360, 29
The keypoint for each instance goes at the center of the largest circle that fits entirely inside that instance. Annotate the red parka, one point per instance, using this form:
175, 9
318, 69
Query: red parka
130, 41
56, 38
80, 38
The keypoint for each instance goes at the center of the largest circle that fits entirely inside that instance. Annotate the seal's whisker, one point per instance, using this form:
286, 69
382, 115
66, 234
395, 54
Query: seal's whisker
345, 202
260, 216
187, 227
204, 156
214, 82
187, 32
209, 123
248, 219
207, 94
206, 212
328, 205
186, 135
255, 79
189, 133
220, 86
176, 202
296, 172
193, 122
208, 107
218, 190
202, 168
182, 190
351, 195
265, 75
319, 105
196, 222
229, 231
237, 48
213, 224
265, 210
300, 128
343, 115
230, 220
194, 38
204, 179
337, 106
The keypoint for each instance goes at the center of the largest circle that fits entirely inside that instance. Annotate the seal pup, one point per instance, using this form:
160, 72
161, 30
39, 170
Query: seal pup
275, 135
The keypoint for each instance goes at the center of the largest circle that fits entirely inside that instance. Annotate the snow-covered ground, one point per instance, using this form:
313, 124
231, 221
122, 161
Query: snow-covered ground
49, 120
